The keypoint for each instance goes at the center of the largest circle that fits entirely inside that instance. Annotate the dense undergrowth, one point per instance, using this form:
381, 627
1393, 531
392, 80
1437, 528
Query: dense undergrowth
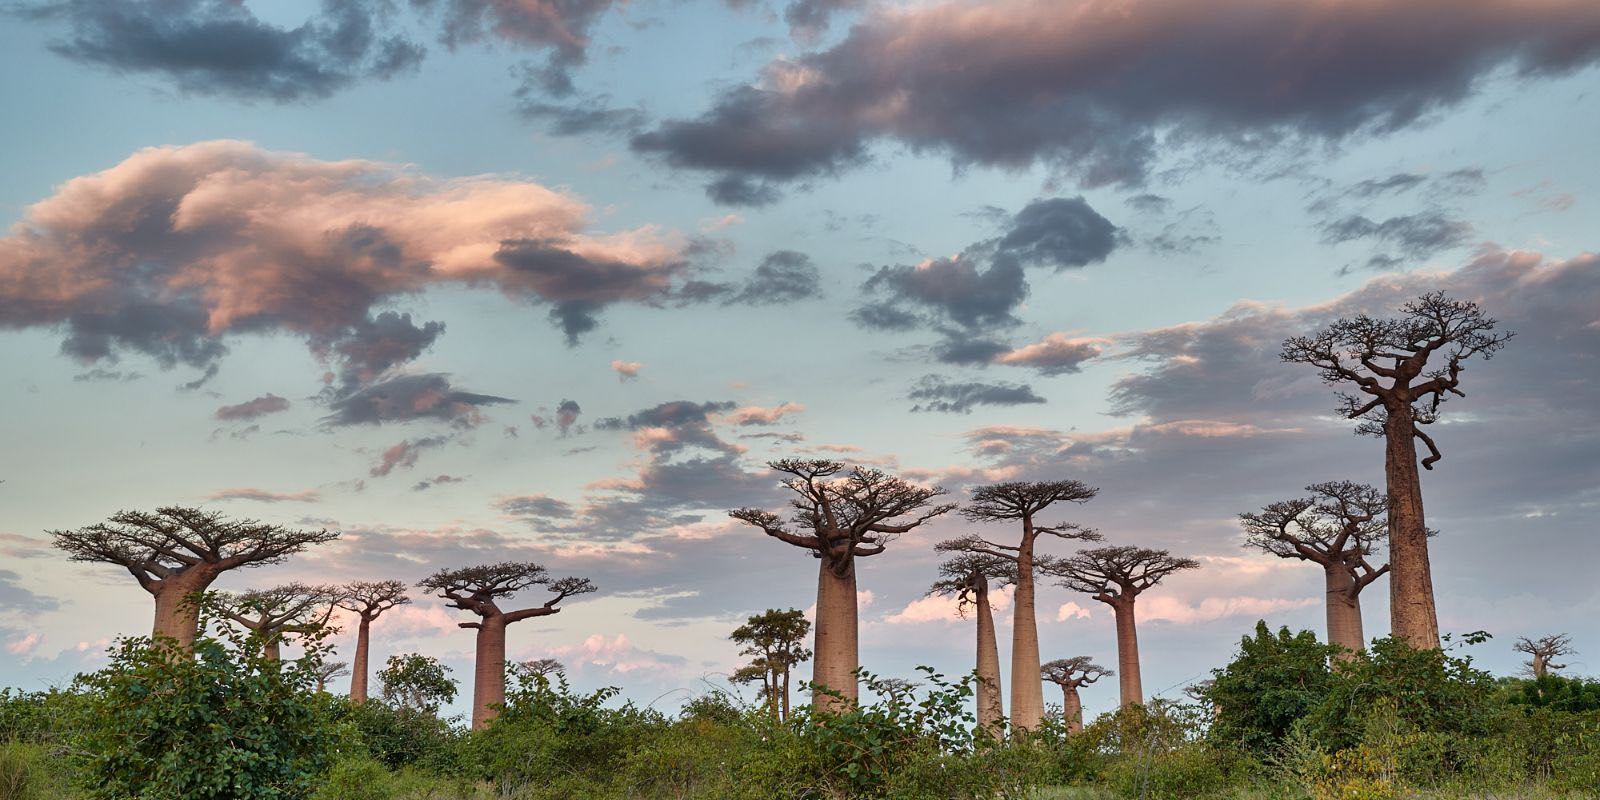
1286, 720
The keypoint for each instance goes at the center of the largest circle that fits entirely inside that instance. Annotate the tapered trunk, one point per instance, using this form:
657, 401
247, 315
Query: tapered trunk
358, 663
837, 654
990, 711
489, 672
1411, 607
785, 693
1539, 666
271, 649
177, 613
1072, 709
1027, 688
1127, 653
1344, 610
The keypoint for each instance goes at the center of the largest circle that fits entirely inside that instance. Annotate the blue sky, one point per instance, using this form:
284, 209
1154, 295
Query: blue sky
1384, 162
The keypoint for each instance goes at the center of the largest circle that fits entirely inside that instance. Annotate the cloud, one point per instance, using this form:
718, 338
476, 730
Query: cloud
561, 27
616, 655
946, 608
671, 426
264, 496
934, 393
626, 370
1072, 611
253, 409
411, 397
404, 455
1165, 608
370, 348
1099, 91
26, 645
1056, 354
437, 480
756, 415
782, 277
1418, 235
536, 506
16, 597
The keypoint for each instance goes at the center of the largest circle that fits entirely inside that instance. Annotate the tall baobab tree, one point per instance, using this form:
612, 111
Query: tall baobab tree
773, 640
1023, 502
1072, 674
368, 599
1336, 527
272, 614
176, 553
967, 576
1541, 651
840, 518
1117, 576
479, 590
1387, 362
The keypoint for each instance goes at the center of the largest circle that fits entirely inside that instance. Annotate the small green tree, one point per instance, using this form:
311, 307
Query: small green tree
417, 682
1429, 690
775, 641
1276, 679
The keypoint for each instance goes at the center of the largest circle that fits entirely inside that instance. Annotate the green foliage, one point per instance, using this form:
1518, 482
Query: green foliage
400, 736
1276, 679
1555, 692
417, 682
28, 773
1430, 690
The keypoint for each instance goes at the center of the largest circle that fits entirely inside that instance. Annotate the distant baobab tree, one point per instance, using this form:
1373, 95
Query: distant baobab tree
1072, 674
329, 670
1542, 651
368, 599
176, 553
479, 590
1387, 362
1117, 576
839, 519
1022, 502
1336, 527
774, 641
967, 576
272, 614
543, 666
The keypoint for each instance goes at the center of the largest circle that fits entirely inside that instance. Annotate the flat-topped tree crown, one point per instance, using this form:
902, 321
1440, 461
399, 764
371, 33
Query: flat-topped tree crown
271, 614
479, 588
1073, 672
1339, 519
370, 599
1024, 499
1118, 574
963, 574
1543, 651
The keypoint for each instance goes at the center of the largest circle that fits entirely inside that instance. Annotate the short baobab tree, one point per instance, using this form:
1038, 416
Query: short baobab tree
543, 666
1117, 576
774, 640
479, 590
1542, 652
328, 670
839, 517
272, 614
1022, 502
176, 553
968, 576
1072, 674
1337, 527
1387, 362
368, 600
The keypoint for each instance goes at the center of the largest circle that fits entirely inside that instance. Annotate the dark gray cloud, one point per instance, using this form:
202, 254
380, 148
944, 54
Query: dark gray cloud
537, 506
1059, 233
370, 348
567, 413
1100, 92
220, 48
16, 597
1419, 235
428, 396
675, 414
437, 480
590, 115
935, 393
784, 276
253, 409
561, 28
808, 19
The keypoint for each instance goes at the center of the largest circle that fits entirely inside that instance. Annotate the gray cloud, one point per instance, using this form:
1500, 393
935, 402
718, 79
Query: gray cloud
15, 597
371, 347
404, 455
253, 409
560, 27
411, 397
1418, 235
935, 393
437, 480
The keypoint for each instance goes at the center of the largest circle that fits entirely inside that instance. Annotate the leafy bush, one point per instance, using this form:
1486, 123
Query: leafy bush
28, 773
401, 736
1276, 679
417, 682
1430, 690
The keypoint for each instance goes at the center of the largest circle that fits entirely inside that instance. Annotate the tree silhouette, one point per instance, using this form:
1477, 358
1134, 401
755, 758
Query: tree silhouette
1337, 527
328, 670
272, 614
1117, 576
1387, 362
478, 590
1022, 502
1542, 651
967, 576
543, 666
839, 519
368, 599
1072, 674
773, 640
176, 553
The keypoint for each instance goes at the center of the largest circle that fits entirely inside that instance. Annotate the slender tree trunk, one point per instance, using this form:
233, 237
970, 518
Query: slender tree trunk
837, 653
786, 671
1128, 654
990, 711
489, 673
177, 615
1344, 610
358, 663
1411, 607
1072, 709
1027, 686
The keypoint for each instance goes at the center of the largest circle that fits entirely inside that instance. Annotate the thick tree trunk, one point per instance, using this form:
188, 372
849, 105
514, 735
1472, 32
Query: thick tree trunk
990, 711
1027, 686
177, 615
837, 654
489, 672
1128, 654
1411, 607
272, 650
1344, 610
358, 663
1072, 709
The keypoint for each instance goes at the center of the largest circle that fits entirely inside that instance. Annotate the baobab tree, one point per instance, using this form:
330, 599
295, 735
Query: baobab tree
543, 666
1542, 651
272, 614
1072, 674
773, 640
1117, 576
1397, 393
368, 599
478, 590
968, 576
176, 554
839, 519
329, 670
1336, 527
1023, 502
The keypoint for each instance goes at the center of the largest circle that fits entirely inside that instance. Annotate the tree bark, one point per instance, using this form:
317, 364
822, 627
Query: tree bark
837, 646
1344, 610
1027, 687
1128, 653
271, 648
1072, 709
358, 663
1413, 616
785, 715
177, 616
990, 711
489, 672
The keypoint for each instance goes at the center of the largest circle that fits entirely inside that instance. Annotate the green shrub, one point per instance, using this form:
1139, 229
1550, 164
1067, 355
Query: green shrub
1276, 679
1429, 690
28, 772
402, 736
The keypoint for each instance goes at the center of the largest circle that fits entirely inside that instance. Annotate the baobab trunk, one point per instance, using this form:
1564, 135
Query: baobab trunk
489, 674
990, 711
272, 649
1411, 607
358, 664
177, 612
1128, 654
1072, 709
836, 655
1344, 610
1027, 691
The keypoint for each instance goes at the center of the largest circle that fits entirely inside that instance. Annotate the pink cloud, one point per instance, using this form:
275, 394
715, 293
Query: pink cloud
756, 415
264, 496
626, 369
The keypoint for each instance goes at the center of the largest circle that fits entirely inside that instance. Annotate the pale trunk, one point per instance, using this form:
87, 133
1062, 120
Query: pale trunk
1027, 688
836, 645
489, 673
990, 711
1128, 654
1344, 610
1072, 709
271, 649
1539, 666
177, 615
358, 664
1411, 608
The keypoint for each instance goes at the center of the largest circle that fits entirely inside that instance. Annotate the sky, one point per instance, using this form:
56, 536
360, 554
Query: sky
470, 281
